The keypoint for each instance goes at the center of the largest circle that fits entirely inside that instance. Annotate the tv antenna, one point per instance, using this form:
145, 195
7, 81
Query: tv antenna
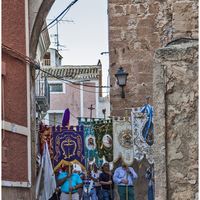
57, 44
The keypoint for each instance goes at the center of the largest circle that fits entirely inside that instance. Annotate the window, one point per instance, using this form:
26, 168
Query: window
55, 118
56, 88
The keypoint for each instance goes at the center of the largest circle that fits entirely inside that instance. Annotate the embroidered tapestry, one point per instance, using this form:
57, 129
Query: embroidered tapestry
142, 128
103, 131
46, 134
68, 146
91, 154
123, 141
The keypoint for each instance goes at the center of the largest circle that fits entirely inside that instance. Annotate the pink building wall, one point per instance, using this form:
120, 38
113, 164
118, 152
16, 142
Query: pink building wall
72, 99
89, 98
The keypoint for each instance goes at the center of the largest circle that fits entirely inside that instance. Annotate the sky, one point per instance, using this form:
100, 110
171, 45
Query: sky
85, 34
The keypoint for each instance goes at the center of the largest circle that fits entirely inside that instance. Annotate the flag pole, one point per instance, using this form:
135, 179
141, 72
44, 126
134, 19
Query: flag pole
127, 186
126, 172
110, 187
70, 194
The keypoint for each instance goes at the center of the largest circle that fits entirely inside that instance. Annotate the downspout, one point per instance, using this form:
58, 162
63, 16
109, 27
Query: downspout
3, 73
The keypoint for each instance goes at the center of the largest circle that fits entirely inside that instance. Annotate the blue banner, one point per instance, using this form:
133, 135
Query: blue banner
91, 154
68, 146
147, 132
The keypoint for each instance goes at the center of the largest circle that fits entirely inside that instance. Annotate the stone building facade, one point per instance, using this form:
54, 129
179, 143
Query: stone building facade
137, 28
175, 75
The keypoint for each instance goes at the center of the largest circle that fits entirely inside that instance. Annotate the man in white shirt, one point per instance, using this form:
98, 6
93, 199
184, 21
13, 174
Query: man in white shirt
124, 176
97, 184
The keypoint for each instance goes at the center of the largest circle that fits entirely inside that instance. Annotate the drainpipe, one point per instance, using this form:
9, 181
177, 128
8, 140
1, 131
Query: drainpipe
3, 73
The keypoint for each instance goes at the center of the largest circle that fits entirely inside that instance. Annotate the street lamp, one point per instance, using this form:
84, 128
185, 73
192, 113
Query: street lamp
121, 80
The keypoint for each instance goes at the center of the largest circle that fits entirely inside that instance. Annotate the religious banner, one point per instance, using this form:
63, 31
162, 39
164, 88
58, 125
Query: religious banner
46, 134
123, 141
66, 117
142, 128
91, 154
103, 131
68, 146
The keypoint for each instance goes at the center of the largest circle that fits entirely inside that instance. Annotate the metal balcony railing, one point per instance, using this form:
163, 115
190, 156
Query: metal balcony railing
43, 94
46, 62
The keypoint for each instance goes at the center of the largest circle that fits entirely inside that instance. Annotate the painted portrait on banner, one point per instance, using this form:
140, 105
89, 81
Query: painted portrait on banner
107, 141
90, 142
91, 154
103, 131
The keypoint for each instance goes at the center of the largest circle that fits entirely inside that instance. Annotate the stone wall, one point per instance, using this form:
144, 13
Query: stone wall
136, 29
175, 87
140, 184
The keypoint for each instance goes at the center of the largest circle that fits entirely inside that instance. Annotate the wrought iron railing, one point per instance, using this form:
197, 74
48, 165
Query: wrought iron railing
43, 93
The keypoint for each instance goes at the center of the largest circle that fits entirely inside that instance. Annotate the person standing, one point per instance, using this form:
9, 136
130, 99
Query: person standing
106, 180
150, 176
89, 190
80, 190
97, 184
76, 183
56, 194
123, 177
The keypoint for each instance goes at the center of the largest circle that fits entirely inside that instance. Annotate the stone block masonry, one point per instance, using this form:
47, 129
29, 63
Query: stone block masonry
176, 120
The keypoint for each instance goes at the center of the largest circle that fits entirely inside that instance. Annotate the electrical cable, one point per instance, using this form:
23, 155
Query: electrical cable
72, 81
34, 64
180, 39
63, 80
36, 75
70, 114
68, 7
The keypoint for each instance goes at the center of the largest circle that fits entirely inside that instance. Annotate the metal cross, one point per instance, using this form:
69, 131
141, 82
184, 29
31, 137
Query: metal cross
91, 108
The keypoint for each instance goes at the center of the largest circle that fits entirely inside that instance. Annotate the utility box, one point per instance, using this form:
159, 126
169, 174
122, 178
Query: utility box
4, 154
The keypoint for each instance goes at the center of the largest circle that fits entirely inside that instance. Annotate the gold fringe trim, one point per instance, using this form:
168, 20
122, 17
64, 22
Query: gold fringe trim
68, 163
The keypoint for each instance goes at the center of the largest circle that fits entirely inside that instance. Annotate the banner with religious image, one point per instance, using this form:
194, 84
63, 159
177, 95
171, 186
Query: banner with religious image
142, 128
68, 146
91, 154
123, 141
46, 134
103, 131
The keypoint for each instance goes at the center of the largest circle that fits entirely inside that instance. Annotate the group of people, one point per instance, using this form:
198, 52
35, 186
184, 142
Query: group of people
98, 183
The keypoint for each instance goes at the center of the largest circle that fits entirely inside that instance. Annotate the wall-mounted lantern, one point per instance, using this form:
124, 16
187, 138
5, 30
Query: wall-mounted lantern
121, 80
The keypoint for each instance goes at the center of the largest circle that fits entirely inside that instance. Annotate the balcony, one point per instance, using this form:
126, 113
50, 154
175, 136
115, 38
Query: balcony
43, 94
46, 62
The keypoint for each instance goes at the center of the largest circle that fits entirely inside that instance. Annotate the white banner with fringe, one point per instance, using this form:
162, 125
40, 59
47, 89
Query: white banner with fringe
143, 136
123, 141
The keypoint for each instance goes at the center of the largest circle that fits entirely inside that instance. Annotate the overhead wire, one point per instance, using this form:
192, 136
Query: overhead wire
72, 81
34, 64
63, 80
56, 19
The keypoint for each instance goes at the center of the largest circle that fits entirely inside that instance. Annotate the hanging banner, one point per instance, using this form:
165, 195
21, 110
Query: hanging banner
46, 134
103, 131
66, 117
68, 146
91, 154
123, 141
142, 128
